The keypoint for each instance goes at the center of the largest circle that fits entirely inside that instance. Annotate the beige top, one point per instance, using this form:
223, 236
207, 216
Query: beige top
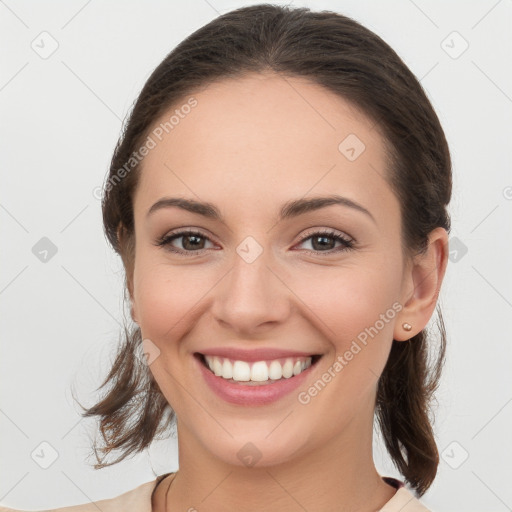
139, 500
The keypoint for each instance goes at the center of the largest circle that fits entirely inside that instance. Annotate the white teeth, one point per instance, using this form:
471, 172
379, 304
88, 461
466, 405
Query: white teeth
241, 370
275, 370
227, 369
259, 371
217, 367
288, 369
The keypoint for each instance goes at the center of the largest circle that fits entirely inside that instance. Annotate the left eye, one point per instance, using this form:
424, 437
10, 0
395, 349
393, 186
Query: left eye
194, 241
320, 242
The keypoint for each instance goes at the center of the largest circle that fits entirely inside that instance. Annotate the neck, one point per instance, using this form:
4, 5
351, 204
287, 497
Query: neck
338, 475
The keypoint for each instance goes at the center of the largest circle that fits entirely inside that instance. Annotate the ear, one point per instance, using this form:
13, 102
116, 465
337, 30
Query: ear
133, 313
133, 304
128, 268
422, 285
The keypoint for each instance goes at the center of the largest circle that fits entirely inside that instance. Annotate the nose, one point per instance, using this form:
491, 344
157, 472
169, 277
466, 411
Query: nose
252, 297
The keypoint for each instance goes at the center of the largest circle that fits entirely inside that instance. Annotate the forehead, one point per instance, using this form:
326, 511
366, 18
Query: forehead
264, 136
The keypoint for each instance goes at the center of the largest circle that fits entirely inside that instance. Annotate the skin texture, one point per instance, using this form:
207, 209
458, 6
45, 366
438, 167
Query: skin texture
249, 146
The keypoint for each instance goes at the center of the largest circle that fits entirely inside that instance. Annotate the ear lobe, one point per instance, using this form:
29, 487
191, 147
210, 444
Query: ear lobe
425, 277
133, 314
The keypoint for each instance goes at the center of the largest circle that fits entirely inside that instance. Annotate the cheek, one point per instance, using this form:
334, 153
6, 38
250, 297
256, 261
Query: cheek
357, 302
355, 295
356, 310
168, 296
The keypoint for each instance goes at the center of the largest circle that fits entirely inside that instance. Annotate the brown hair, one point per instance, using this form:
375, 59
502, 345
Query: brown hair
349, 60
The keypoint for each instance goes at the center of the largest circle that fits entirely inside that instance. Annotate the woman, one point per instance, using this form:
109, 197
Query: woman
278, 198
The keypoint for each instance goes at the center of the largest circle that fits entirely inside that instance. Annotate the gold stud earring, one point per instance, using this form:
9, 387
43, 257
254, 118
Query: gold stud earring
406, 326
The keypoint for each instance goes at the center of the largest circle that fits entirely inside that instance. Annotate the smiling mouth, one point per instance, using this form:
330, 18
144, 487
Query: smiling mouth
257, 372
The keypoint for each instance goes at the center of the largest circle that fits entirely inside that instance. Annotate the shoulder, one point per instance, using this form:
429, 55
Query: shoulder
404, 501
135, 500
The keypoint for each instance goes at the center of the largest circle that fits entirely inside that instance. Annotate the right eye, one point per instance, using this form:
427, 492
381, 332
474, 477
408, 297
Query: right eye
192, 242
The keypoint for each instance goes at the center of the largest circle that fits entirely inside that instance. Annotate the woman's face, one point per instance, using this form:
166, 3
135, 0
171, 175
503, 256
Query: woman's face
266, 273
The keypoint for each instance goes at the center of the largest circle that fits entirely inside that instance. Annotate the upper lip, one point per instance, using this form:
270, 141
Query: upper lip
254, 354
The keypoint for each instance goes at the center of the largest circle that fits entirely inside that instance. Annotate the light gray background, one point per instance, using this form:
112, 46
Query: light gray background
61, 117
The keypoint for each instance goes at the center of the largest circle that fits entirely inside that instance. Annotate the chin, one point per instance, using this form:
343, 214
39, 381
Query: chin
262, 448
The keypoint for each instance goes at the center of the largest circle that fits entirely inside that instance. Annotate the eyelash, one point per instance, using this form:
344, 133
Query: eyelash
348, 244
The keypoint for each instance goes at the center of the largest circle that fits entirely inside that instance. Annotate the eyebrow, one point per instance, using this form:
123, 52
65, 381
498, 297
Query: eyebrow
288, 210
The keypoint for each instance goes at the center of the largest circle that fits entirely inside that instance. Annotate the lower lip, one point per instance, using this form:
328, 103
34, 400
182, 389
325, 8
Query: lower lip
243, 394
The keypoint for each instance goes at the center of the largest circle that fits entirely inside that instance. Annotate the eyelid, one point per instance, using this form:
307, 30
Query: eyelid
327, 231
347, 242
181, 232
